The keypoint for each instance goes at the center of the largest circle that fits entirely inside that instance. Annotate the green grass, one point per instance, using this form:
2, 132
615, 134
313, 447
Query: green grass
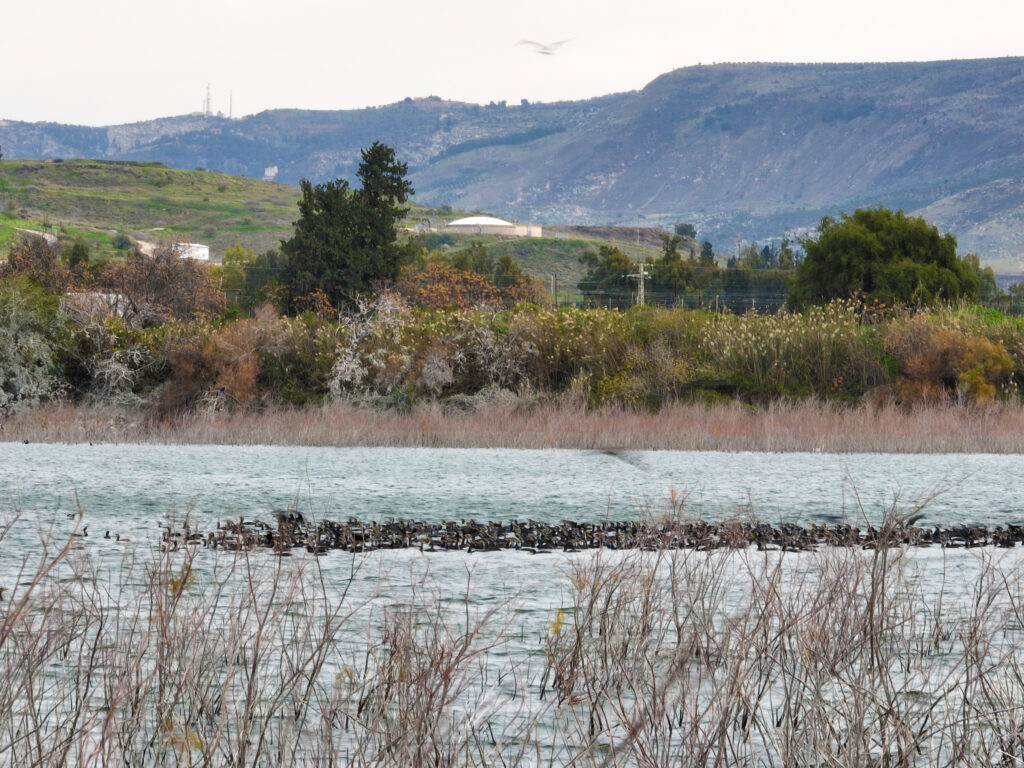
149, 201
559, 257
100, 242
103, 198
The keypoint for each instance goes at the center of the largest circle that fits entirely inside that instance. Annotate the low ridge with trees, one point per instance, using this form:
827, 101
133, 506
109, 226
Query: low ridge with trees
938, 139
350, 309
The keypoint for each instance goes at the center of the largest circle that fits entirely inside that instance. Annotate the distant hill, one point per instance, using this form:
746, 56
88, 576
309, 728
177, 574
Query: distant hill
747, 150
99, 200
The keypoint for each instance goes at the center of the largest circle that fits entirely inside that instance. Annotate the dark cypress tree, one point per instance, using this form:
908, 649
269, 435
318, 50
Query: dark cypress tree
346, 241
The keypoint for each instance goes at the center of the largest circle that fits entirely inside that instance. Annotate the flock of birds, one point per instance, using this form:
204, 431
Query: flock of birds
290, 530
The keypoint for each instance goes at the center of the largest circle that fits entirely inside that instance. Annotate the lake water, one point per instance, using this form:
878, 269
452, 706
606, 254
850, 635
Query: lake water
133, 489
128, 487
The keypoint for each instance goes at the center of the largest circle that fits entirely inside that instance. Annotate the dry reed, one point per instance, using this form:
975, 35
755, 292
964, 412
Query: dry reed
845, 658
805, 426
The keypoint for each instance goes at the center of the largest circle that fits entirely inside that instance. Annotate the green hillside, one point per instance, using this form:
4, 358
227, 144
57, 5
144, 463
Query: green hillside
146, 201
103, 200
750, 151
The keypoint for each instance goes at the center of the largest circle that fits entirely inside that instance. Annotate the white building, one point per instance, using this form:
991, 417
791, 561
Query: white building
196, 251
489, 225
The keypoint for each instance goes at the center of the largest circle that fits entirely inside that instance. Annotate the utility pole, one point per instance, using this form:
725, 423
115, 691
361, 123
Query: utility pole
640, 276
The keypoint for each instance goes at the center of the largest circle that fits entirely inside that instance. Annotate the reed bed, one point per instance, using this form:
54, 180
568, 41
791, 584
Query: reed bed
780, 426
839, 657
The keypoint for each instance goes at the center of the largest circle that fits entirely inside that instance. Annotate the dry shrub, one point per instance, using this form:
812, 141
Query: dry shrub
442, 286
476, 346
239, 380
369, 346
190, 375
36, 259
526, 289
318, 303
648, 378
567, 346
937, 362
436, 373
118, 364
248, 362
233, 357
161, 288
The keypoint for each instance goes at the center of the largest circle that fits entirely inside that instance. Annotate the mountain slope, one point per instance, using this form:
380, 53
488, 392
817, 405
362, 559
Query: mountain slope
749, 150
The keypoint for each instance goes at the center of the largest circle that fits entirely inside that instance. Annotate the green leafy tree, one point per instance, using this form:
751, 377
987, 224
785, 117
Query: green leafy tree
786, 257
671, 273
707, 254
474, 259
736, 290
881, 255
606, 274
346, 241
506, 271
988, 290
1016, 298
686, 230
232, 271
480, 261
750, 258
263, 279
78, 254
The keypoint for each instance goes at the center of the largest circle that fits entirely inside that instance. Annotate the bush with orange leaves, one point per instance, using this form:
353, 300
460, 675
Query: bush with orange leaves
442, 286
525, 289
249, 362
936, 362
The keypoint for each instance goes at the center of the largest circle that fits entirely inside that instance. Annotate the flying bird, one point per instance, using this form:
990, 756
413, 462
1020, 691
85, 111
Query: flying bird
545, 49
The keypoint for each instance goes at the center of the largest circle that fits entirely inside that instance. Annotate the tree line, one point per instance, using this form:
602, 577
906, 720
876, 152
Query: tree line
875, 255
346, 245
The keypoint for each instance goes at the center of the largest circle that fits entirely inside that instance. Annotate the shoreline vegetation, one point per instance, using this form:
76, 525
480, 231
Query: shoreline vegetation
158, 356
183, 656
809, 426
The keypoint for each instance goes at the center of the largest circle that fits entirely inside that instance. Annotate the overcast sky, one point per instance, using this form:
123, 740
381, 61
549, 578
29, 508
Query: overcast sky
99, 62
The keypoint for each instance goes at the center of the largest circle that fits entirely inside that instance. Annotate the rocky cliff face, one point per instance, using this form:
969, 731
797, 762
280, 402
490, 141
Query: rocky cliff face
739, 149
